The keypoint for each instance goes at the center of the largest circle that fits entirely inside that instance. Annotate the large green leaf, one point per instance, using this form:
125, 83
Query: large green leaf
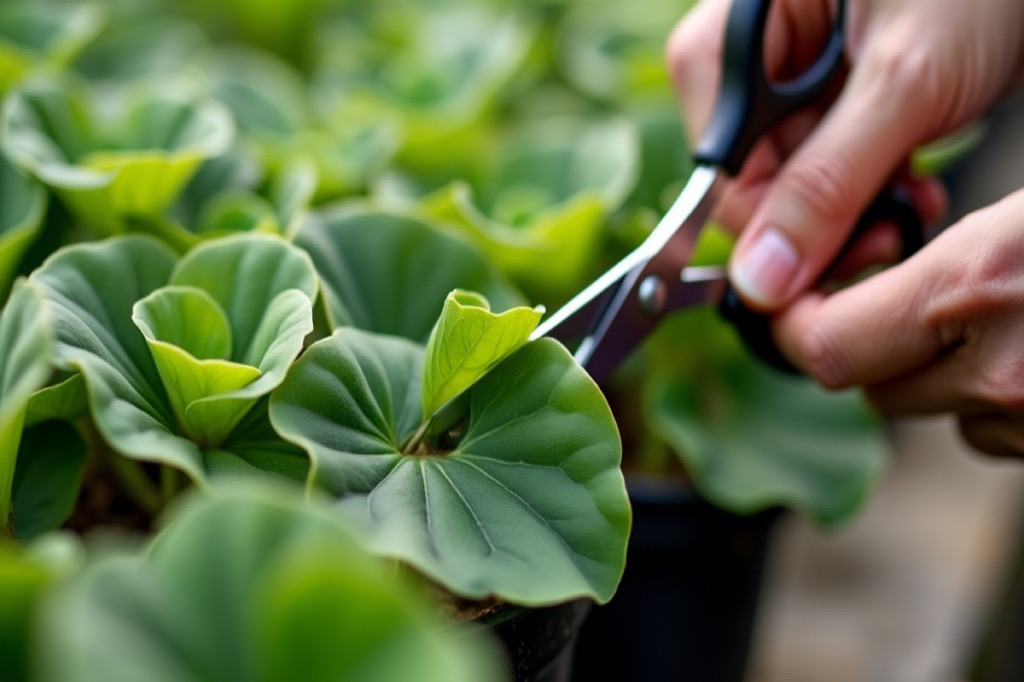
25, 347
530, 505
389, 272
752, 438
107, 167
467, 341
247, 586
22, 202
262, 285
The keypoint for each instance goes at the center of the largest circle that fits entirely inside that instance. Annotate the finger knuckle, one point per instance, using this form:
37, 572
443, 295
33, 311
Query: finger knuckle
904, 68
823, 357
820, 183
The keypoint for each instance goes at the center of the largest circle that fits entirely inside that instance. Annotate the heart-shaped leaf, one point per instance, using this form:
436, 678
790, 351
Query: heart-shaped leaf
25, 347
250, 585
22, 202
389, 272
261, 286
529, 506
106, 168
467, 341
751, 438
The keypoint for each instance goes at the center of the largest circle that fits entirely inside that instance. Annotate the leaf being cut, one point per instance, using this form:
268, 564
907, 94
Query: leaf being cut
251, 584
530, 505
467, 341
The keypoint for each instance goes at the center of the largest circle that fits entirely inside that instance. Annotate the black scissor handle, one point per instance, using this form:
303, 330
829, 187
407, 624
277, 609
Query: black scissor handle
749, 104
755, 327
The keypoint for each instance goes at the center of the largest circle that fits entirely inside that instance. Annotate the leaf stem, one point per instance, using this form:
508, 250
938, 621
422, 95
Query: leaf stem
413, 444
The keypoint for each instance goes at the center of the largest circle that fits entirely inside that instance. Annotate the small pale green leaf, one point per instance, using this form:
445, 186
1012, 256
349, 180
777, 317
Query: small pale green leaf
25, 348
530, 506
47, 479
467, 341
244, 274
251, 585
186, 317
389, 272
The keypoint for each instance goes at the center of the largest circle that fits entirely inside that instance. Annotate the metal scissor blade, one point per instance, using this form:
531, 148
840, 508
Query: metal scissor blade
608, 319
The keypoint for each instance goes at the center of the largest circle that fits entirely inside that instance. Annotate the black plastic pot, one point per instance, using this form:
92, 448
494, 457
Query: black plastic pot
686, 606
539, 642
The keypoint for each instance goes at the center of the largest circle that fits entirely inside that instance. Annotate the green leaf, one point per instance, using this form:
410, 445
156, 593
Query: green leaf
90, 290
751, 438
251, 585
190, 339
441, 70
530, 506
24, 579
254, 311
546, 200
245, 274
47, 479
389, 272
237, 211
25, 348
64, 400
22, 202
467, 341
106, 167
38, 33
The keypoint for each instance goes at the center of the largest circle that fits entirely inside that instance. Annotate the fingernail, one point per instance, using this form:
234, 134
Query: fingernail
763, 272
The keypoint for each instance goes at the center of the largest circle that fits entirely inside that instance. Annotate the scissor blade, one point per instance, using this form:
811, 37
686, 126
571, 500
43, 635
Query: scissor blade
607, 318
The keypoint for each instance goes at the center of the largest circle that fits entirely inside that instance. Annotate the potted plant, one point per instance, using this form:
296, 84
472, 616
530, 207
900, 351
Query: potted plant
140, 359
312, 261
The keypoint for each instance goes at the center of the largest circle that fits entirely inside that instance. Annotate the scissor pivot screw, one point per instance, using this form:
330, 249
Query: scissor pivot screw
652, 296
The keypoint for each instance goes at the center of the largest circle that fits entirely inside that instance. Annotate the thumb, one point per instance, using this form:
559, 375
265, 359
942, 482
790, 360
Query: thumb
818, 195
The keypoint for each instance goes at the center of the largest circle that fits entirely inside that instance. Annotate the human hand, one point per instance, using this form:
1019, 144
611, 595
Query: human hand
938, 333
919, 69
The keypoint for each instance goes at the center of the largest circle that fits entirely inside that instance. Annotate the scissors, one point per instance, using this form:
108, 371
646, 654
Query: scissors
613, 315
